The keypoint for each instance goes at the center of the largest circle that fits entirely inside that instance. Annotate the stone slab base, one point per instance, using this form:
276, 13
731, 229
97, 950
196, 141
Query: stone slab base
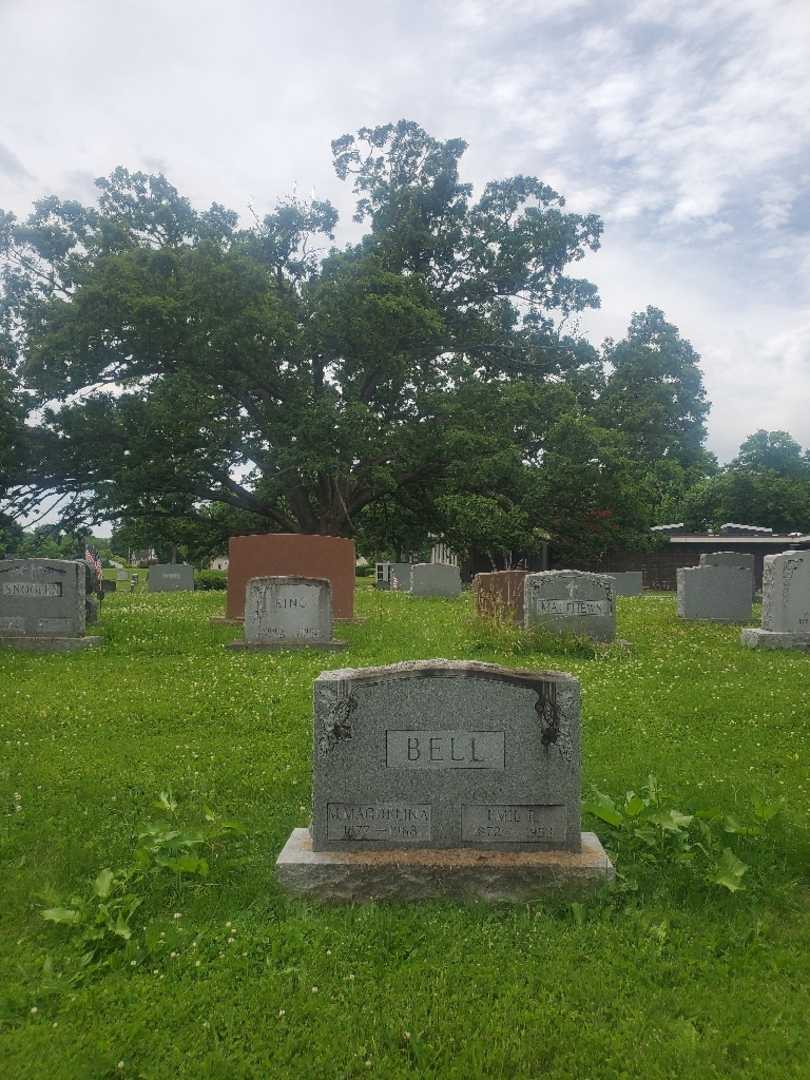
223, 620
460, 873
50, 644
755, 638
284, 646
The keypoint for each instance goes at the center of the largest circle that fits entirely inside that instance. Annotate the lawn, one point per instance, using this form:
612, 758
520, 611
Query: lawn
665, 975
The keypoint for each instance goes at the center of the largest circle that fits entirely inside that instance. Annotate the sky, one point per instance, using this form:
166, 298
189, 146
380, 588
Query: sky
684, 123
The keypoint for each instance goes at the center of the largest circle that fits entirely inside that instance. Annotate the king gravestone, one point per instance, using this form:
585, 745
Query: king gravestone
288, 612
785, 604
572, 602
437, 777
42, 604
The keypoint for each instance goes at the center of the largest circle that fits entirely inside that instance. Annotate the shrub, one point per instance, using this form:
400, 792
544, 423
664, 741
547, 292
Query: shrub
210, 579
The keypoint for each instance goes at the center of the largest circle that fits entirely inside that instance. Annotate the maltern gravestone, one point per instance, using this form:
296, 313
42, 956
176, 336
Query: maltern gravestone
572, 602
438, 777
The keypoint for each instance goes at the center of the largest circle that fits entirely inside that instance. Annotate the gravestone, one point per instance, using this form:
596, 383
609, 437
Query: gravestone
731, 558
171, 577
627, 582
108, 586
436, 777
785, 603
571, 602
434, 579
42, 604
121, 575
393, 575
288, 613
282, 554
714, 593
499, 595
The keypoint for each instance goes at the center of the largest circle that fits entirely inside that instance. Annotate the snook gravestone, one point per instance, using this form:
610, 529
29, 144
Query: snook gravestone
288, 612
785, 603
571, 602
42, 604
436, 777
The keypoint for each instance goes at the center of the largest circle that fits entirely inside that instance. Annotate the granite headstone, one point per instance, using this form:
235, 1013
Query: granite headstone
785, 604
572, 602
42, 604
627, 582
434, 579
171, 577
438, 777
288, 612
714, 593
499, 595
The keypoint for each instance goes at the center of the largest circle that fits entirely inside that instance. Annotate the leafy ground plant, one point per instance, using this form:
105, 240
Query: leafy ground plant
647, 831
104, 918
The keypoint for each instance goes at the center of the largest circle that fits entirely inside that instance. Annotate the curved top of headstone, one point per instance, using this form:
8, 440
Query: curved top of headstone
290, 579
415, 669
570, 573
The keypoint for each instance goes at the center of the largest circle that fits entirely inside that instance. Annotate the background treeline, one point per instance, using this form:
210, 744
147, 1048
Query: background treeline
186, 376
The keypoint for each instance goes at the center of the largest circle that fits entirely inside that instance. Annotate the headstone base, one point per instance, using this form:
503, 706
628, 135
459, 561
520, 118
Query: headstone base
50, 644
755, 638
284, 646
223, 620
460, 873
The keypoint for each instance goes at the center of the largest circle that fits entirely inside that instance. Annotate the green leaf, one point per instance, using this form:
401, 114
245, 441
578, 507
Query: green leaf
68, 916
167, 802
603, 807
729, 871
670, 820
102, 886
633, 804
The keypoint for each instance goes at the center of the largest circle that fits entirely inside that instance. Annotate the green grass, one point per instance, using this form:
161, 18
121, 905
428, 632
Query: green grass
665, 976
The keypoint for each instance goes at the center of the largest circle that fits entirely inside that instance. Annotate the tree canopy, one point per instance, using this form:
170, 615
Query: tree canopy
192, 372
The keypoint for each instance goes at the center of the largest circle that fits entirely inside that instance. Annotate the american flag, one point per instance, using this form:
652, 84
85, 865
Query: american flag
91, 557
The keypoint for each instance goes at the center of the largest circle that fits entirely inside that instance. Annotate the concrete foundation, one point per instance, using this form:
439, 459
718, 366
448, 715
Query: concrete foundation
286, 646
754, 638
421, 874
50, 644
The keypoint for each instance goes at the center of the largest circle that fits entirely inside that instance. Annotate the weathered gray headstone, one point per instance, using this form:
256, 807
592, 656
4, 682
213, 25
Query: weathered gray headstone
715, 593
288, 612
627, 582
393, 575
571, 602
42, 604
171, 577
437, 777
731, 558
785, 603
122, 575
434, 579
108, 586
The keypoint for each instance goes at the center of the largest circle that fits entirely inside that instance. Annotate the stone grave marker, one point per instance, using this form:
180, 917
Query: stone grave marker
434, 579
627, 582
171, 577
122, 575
393, 575
499, 595
714, 593
437, 777
785, 603
288, 612
572, 602
730, 558
42, 604
108, 586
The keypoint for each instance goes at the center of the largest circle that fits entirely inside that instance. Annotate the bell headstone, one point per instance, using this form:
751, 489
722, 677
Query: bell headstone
571, 602
288, 612
785, 603
434, 579
42, 604
499, 595
171, 577
437, 777
714, 593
